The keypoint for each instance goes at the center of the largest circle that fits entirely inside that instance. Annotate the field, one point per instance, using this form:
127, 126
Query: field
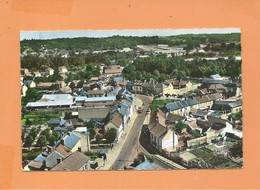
159, 102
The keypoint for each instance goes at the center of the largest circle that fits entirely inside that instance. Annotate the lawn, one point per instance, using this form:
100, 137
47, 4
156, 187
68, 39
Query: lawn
40, 117
159, 102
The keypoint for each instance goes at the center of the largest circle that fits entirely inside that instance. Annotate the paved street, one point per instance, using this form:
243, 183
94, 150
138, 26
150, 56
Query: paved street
130, 149
126, 149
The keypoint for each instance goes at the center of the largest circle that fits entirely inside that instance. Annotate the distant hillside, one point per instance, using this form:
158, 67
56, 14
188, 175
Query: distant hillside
192, 40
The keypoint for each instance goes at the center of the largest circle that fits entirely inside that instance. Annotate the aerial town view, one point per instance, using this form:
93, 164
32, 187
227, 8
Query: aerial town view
131, 100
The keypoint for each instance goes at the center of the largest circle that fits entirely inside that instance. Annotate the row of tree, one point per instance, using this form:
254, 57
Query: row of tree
161, 67
45, 137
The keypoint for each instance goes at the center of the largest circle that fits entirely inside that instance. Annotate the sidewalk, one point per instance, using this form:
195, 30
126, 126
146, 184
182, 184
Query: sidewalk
113, 154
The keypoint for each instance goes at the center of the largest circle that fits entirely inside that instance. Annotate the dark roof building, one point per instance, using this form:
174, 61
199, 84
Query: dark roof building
74, 162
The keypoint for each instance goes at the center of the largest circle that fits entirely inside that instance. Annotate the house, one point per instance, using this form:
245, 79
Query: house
137, 87
219, 88
44, 85
48, 158
182, 108
65, 90
216, 77
98, 104
100, 85
97, 114
52, 100
76, 161
129, 86
94, 79
162, 137
60, 152
96, 93
71, 140
117, 123
228, 106
208, 81
222, 127
202, 114
83, 99
29, 83
200, 125
117, 79
146, 165
63, 69
164, 89
49, 71
56, 122
83, 133
148, 87
113, 70
207, 100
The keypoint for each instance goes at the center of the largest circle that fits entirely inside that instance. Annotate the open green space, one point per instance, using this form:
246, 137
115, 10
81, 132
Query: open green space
39, 117
159, 102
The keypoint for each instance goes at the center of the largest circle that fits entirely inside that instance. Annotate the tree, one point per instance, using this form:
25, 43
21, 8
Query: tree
52, 140
28, 122
195, 133
57, 135
179, 127
91, 129
41, 141
46, 133
28, 141
32, 95
237, 149
237, 116
33, 133
139, 159
111, 135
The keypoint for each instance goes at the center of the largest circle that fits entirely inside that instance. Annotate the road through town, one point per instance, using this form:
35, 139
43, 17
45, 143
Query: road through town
131, 146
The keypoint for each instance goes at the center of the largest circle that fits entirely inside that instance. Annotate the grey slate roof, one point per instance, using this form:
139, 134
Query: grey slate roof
72, 163
51, 160
180, 104
146, 165
213, 81
71, 140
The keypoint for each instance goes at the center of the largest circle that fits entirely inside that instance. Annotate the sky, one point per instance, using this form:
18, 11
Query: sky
107, 33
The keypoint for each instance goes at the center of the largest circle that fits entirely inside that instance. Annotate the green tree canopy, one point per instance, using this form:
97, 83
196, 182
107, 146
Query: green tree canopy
111, 135
179, 127
41, 141
237, 149
28, 140
32, 95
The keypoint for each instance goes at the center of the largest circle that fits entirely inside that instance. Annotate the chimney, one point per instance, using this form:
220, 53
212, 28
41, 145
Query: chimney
49, 149
59, 160
68, 133
62, 142
79, 149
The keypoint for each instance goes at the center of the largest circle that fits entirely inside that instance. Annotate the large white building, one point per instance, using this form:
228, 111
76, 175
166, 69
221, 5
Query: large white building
52, 100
